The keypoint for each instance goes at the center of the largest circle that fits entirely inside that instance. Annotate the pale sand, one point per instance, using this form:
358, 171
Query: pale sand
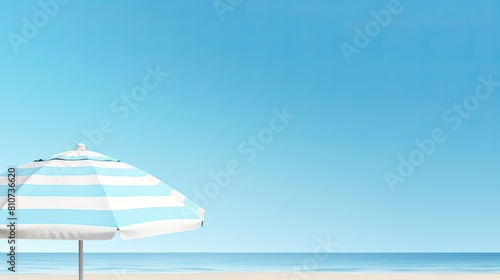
259, 276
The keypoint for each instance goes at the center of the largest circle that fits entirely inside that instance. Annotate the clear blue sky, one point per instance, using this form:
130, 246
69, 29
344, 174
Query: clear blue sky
324, 174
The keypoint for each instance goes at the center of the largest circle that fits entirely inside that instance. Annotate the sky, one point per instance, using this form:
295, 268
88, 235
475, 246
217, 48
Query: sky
369, 124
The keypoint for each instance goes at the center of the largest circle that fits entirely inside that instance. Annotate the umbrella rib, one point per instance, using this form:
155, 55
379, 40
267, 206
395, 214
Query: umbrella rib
105, 196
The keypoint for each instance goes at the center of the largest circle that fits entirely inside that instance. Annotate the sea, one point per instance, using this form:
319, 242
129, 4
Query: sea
292, 263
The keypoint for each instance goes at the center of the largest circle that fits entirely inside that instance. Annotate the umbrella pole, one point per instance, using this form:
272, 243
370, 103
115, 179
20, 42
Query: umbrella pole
80, 259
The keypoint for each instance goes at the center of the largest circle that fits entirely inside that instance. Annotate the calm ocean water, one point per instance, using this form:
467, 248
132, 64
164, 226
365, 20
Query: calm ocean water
125, 263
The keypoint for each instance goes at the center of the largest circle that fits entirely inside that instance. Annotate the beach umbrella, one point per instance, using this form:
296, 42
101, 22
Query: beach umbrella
83, 195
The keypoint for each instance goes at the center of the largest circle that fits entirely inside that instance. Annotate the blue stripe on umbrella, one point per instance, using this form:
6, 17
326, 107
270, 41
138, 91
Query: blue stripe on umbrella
90, 190
105, 218
80, 171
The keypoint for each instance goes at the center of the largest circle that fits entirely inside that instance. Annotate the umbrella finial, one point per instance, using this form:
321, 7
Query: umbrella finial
80, 146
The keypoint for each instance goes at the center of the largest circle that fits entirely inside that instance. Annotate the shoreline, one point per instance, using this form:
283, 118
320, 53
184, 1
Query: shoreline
260, 276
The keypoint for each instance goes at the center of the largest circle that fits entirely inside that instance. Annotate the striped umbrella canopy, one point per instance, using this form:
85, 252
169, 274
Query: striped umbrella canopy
83, 195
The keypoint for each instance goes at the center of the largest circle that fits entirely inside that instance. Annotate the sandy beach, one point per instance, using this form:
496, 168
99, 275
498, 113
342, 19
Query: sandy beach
259, 276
